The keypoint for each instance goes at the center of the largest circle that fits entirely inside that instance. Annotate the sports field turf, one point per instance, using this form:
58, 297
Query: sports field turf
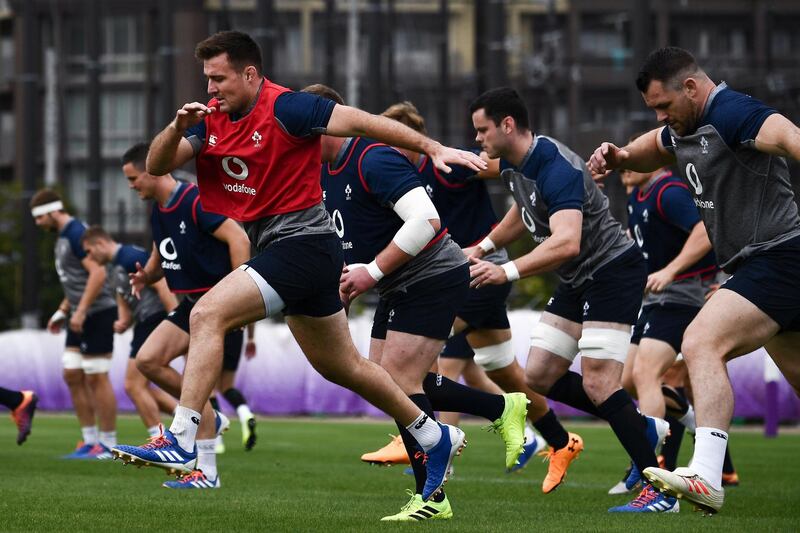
305, 475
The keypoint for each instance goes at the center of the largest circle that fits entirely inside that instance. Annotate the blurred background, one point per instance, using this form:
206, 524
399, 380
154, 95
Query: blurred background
82, 80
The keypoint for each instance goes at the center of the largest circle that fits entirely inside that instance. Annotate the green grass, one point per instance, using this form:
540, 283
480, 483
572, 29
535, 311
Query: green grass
304, 475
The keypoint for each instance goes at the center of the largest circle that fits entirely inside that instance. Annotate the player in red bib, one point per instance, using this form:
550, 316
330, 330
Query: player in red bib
257, 149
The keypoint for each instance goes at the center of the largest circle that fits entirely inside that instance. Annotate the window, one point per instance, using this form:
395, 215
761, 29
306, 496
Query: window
122, 48
6, 59
122, 121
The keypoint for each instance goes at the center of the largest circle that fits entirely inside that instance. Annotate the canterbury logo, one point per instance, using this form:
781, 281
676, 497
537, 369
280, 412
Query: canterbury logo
720, 435
195, 420
697, 486
421, 423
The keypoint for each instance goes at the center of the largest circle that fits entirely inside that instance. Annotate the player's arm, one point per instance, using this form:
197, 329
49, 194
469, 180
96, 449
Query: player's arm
147, 274
168, 299
779, 136
420, 225
234, 236
346, 121
563, 244
696, 247
644, 154
507, 231
124, 315
94, 286
492, 170
170, 150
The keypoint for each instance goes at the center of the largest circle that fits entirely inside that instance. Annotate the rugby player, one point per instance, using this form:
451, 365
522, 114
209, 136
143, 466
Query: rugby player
146, 312
602, 275
91, 309
730, 148
257, 150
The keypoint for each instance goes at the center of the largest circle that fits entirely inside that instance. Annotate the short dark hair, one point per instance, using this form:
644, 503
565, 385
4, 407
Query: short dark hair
136, 155
406, 113
665, 65
242, 50
44, 196
324, 91
94, 233
501, 103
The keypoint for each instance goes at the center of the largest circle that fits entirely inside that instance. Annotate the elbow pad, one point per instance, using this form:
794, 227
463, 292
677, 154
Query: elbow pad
415, 208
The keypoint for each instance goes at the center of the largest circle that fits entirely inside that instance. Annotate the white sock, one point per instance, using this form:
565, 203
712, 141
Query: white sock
90, 435
426, 431
709, 454
154, 431
108, 439
244, 413
689, 421
184, 427
207, 457
218, 442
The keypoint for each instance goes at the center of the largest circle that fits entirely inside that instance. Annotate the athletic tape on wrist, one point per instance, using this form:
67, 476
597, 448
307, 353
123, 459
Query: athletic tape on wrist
487, 245
511, 271
374, 270
58, 316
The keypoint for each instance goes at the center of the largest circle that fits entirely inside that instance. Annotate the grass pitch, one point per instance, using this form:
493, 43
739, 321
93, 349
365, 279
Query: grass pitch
305, 475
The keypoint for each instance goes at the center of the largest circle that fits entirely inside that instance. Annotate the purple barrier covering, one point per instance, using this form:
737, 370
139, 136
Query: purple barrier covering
279, 380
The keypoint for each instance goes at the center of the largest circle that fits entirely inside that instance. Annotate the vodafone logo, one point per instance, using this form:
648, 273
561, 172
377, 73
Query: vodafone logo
338, 222
167, 249
235, 168
694, 179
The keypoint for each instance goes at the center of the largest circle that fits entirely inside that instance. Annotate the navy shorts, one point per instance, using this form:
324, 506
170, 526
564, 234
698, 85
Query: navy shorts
457, 347
143, 329
770, 280
233, 350
97, 337
427, 308
664, 322
305, 272
180, 317
614, 294
486, 307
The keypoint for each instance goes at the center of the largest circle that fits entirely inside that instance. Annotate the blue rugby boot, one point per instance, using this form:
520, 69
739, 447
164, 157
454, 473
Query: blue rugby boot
649, 501
162, 451
195, 480
657, 431
439, 458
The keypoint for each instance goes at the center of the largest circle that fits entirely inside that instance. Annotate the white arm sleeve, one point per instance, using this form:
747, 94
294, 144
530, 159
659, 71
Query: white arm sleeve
415, 208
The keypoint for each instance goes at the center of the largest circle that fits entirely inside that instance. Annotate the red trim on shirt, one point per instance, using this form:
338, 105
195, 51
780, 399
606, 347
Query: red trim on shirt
659, 207
360, 159
703, 273
436, 239
644, 195
353, 143
180, 199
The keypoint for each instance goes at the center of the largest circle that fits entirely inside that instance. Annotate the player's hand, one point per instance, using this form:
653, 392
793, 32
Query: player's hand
607, 157
138, 281
355, 281
250, 349
442, 155
474, 251
485, 273
76, 320
191, 114
121, 326
658, 281
56, 322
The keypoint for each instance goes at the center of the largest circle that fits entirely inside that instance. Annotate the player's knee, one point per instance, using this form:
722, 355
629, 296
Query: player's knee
147, 363
538, 381
696, 343
74, 377
643, 374
598, 387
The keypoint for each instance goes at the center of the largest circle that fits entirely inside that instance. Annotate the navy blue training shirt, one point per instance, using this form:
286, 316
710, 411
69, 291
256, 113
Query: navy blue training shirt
462, 200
